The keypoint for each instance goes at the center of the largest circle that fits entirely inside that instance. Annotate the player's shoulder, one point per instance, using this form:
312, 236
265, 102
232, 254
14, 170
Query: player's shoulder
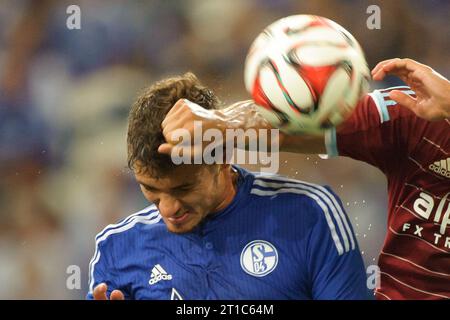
384, 105
305, 193
374, 111
315, 206
148, 217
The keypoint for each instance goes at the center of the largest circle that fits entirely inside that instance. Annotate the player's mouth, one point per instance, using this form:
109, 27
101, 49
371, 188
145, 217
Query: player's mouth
179, 217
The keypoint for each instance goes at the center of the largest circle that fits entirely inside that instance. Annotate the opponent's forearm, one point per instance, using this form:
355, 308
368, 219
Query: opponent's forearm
241, 123
243, 115
445, 99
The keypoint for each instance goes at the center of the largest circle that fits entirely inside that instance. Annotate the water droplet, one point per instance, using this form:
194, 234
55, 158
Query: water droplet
362, 252
348, 203
342, 185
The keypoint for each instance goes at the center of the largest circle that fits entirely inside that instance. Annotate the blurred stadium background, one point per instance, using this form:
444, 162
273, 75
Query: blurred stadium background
65, 95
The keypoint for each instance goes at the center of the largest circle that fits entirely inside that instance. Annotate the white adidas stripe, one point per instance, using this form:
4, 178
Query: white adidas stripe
334, 235
396, 88
405, 90
326, 195
153, 218
127, 219
320, 198
148, 210
380, 105
378, 96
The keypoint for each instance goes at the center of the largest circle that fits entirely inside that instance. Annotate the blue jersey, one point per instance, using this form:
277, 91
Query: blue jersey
278, 239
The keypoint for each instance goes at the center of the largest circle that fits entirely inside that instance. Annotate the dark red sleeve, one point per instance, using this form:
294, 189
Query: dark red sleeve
379, 132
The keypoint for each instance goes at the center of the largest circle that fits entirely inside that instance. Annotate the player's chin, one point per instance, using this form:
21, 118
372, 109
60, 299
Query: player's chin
187, 225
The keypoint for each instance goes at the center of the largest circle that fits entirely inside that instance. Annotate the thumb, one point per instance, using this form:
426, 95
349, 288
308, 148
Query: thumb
403, 99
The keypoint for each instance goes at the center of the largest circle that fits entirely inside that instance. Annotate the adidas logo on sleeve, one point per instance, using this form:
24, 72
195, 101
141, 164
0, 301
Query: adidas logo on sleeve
158, 274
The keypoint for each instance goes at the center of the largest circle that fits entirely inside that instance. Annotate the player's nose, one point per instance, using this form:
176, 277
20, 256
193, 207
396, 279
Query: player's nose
168, 206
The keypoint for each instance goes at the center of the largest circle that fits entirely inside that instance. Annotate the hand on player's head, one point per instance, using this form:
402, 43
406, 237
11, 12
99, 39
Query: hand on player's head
100, 293
182, 116
432, 90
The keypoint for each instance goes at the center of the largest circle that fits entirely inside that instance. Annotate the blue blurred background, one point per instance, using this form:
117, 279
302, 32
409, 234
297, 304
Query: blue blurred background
65, 95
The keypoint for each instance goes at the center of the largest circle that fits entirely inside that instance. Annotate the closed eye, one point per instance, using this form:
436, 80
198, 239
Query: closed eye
147, 187
183, 189
178, 190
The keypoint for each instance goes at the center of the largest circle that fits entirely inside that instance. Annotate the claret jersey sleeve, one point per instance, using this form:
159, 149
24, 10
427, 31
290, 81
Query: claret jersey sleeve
379, 132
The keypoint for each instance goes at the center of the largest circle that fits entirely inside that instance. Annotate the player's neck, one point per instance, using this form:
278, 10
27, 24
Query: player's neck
229, 191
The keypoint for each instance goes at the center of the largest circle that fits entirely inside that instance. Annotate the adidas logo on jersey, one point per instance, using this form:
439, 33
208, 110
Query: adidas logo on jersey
441, 167
158, 274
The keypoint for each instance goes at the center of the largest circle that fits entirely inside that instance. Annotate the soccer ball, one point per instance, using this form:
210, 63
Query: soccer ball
306, 73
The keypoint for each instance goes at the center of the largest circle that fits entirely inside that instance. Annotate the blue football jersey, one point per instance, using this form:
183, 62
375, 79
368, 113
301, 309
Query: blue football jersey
278, 239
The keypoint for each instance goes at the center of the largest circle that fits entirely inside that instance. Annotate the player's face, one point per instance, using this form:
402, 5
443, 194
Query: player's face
188, 194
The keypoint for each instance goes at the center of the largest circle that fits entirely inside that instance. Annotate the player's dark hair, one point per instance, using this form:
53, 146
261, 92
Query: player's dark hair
147, 113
